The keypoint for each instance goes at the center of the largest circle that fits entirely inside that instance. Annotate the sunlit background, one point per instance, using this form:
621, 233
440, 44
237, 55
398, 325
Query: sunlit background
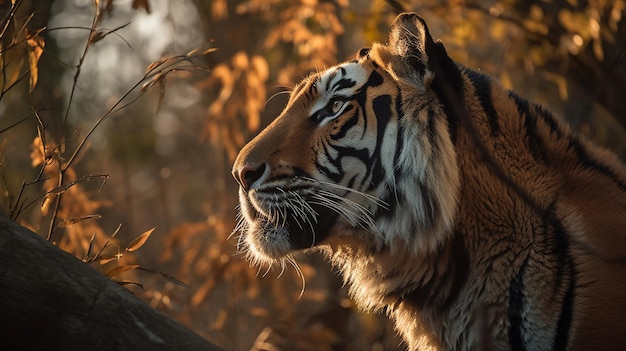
172, 90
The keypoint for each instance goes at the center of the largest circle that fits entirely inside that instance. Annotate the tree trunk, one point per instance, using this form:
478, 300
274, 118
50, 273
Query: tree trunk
49, 300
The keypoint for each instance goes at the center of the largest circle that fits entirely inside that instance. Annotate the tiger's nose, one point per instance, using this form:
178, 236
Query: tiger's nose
248, 174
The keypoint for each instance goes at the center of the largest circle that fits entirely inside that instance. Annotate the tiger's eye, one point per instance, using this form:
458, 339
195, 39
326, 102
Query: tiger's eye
336, 106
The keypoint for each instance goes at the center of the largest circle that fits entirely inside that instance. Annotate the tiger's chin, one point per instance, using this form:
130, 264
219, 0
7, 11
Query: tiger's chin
268, 240
267, 244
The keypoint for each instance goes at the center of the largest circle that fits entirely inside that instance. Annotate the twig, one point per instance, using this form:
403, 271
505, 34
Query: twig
63, 188
94, 24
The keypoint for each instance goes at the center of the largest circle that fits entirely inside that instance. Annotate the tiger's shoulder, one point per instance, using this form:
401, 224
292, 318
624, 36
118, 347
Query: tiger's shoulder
541, 209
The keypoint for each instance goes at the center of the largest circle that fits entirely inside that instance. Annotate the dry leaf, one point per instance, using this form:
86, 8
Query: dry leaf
106, 259
125, 283
141, 4
166, 276
108, 7
174, 280
76, 220
35, 49
161, 94
120, 269
90, 248
139, 241
152, 66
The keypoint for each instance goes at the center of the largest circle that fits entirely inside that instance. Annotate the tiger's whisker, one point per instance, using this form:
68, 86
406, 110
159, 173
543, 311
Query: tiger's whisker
366, 213
374, 199
276, 94
290, 259
282, 267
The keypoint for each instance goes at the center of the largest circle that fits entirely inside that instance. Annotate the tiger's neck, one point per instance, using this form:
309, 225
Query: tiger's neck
398, 280
445, 273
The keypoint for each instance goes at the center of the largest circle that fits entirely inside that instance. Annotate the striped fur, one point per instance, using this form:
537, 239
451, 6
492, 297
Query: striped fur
474, 218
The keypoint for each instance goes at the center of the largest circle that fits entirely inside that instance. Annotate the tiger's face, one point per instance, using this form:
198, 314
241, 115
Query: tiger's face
316, 171
344, 159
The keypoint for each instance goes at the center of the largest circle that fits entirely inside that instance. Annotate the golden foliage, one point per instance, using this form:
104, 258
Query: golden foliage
311, 28
76, 209
237, 108
18, 45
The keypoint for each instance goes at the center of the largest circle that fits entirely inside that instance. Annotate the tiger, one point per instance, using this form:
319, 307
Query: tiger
473, 217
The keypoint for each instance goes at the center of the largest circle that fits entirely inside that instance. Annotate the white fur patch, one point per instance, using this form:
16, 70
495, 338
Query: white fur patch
328, 87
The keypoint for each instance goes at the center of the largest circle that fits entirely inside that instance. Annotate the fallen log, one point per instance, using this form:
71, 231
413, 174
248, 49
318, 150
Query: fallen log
49, 300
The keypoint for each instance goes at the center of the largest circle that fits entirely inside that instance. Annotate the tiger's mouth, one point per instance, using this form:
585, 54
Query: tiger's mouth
280, 222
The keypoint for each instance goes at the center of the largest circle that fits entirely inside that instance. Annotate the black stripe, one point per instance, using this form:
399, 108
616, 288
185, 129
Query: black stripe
588, 162
350, 183
330, 80
347, 151
375, 79
392, 198
560, 245
344, 83
431, 206
348, 124
565, 318
535, 143
579, 149
461, 268
516, 307
448, 86
335, 177
548, 119
417, 63
399, 139
565, 270
382, 112
482, 89
364, 116
342, 151
361, 96
537, 147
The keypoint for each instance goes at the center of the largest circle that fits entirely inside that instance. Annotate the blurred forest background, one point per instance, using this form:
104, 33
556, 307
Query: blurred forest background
119, 121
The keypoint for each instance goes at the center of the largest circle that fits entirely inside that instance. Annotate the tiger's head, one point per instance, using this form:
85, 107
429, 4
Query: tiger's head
361, 158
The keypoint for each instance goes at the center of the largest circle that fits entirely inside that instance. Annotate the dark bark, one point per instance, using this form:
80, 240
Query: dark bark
49, 300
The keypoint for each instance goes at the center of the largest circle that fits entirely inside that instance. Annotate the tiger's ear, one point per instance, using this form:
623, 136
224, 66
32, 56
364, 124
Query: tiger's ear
409, 36
410, 40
